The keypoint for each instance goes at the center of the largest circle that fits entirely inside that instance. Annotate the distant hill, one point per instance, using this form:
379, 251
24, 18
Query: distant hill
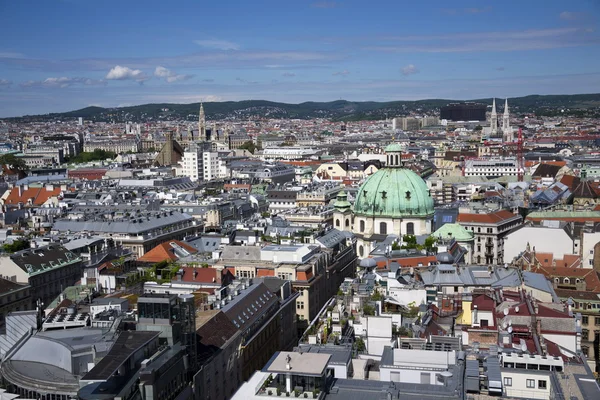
340, 110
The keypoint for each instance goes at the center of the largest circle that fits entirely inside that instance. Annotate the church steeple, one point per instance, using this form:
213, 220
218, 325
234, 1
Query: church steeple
201, 123
505, 118
494, 118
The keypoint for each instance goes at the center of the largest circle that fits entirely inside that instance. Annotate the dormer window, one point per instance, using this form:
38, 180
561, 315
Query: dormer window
408, 195
384, 194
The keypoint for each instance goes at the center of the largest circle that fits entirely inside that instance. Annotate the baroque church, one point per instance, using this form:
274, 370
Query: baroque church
394, 200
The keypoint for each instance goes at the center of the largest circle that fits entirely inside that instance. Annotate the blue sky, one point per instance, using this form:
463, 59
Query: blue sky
61, 55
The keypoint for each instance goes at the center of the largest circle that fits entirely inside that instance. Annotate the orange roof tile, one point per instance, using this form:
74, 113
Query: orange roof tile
38, 195
165, 251
493, 218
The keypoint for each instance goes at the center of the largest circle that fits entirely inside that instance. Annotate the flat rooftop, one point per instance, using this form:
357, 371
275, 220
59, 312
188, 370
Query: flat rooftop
125, 346
313, 364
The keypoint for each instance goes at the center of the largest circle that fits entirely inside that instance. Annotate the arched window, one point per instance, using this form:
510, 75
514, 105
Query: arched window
383, 228
566, 281
410, 228
362, 226
397, 160
361, 251
347, 223
337, 223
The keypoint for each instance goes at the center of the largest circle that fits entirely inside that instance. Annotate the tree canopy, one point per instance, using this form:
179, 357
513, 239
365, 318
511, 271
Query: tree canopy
13, 162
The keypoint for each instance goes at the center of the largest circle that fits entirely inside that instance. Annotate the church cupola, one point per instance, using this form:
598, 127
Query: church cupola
394, 156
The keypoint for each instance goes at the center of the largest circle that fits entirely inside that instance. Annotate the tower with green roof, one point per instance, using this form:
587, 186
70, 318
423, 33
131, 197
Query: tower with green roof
342, 214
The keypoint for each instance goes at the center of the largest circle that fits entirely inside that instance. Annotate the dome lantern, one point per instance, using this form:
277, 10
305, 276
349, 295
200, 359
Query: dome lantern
394, 156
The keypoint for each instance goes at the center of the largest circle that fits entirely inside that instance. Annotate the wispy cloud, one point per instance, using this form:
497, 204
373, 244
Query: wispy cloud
570, 15
62, 82
119, 73
462, 11
170, 76
217, 44
288, 74
10, 54
500, 69
209, 80
535, 39
341, 73
205, 60
410, 69
325, 4
245, 81
5, 83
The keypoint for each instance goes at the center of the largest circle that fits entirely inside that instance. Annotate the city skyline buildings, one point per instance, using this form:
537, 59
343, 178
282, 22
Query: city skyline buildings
67, 55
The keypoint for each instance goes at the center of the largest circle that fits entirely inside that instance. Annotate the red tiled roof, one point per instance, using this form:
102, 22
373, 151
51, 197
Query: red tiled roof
483, 302
493, 218
164, 251
201, 275
39, 195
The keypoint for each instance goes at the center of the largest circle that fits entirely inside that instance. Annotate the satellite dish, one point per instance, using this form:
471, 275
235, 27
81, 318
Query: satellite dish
510, 329
524, 347
506, 311
517, 309
510, 322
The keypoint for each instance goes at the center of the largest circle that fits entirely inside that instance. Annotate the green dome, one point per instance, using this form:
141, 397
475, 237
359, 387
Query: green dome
393, 148
394, 193
341, 202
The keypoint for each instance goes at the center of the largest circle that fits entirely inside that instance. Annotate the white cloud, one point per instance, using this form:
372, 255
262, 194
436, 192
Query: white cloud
217, 44
570, 16
532, 39
409, 70
341, 73
63, 82
120, 73
5, 83
170, 76
288, 74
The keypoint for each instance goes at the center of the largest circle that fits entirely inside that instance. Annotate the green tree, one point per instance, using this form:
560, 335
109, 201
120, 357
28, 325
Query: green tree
359, 345
17, 245
430, 244
96, 155
478, 128
249, 145
396, 246
410, 242
14, 162
368, 309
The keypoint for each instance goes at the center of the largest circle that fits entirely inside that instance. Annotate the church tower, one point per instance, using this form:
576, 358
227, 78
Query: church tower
507, 133
201, 124
342, 212
494, 119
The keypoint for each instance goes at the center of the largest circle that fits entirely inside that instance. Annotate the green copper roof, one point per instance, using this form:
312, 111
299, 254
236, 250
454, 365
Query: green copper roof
341, 201
456, 231
394, 193
393, 147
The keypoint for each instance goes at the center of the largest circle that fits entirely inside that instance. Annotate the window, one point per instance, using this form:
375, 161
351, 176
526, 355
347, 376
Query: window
337, 223
597, 321
531, 383
585, 334
507, 381
347, 223
300, 305
383, 228
585, 320
585, 351
362, 226
542, 384
361, 251
410, 228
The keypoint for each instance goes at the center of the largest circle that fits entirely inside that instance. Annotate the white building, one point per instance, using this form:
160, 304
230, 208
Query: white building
191, 165
213, 166
544, 239
492, 167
